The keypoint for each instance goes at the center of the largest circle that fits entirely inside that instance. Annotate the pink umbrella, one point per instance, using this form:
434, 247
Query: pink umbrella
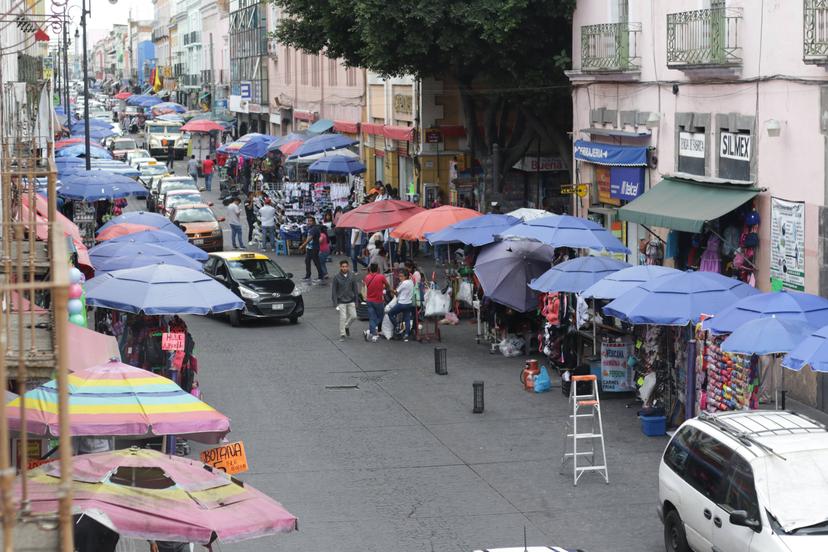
145, 494
88, 348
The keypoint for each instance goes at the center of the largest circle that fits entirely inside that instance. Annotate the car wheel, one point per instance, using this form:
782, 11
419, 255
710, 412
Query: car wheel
674, 538
294, 319
235, 318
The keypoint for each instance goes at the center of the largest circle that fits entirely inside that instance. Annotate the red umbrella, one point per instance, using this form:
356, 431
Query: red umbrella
379, 215
202, 125
122, 229
432, 220
289, 147
68, 142
122, 95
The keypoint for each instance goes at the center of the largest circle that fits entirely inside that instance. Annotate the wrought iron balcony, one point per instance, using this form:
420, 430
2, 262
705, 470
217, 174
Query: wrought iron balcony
704, 38
815, 35
610, 47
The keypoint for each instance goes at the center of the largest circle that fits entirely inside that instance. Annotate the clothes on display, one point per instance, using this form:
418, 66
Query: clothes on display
723, 381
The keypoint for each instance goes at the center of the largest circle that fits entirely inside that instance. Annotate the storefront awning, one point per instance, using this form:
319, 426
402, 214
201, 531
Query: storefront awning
685, 205
320, 126
616, 133
610, 154
350, 127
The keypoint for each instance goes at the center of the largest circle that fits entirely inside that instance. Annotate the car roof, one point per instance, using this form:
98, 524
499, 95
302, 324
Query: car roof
240, 255
185, 191
177, 179
767, 432
185, 206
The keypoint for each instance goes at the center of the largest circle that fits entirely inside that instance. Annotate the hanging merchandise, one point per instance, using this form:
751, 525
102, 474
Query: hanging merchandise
730, 381
76, 305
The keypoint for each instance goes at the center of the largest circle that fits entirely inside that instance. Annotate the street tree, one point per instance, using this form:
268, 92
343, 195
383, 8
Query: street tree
506, 56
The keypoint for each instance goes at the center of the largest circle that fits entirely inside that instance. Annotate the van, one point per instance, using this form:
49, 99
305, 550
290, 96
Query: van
158, 134
746, 481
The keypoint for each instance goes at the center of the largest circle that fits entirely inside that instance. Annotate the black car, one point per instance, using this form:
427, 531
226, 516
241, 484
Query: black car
267, 290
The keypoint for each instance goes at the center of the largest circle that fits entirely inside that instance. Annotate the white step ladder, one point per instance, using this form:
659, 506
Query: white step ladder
582, 429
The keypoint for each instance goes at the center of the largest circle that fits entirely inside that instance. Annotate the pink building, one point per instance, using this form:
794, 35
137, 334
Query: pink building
689, 114
304, 89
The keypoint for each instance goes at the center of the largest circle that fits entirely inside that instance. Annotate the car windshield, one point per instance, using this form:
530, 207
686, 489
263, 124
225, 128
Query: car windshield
796, 489
247, 270
153, 170
125, 144
195, 214
163, 129
183, 185
173, 200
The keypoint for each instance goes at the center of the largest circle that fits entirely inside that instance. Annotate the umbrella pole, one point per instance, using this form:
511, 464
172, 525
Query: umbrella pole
594, 330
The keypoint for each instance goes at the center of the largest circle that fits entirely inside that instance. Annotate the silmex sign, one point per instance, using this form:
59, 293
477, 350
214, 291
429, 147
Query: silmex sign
734, 155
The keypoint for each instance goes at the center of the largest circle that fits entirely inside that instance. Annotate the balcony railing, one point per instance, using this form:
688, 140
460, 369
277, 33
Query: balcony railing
191, 38
815, 35
610, 47
704, 38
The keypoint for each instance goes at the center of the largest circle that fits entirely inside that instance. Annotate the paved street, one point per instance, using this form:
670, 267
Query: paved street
400, 462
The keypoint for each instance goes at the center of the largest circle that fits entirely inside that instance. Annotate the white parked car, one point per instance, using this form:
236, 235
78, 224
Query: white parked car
752, 481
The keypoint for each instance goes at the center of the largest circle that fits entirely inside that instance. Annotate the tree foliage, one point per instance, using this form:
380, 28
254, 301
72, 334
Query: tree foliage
507, 57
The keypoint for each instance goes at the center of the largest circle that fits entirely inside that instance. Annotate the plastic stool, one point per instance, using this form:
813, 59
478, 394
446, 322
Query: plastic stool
281, 247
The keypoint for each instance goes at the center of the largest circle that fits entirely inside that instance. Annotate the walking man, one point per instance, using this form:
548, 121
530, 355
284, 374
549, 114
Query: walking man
234, 220
375, 286
207, 171
170, 154
192, 169
267, 216
311, 248
250, 214
345, 295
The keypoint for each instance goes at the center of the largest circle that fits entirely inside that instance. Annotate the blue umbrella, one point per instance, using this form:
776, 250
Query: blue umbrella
93, 123
97, 185
137, 99
812, 351
678, 299
78, 150
504, 269
322, 143
151, 101
146, 218
337, 164
160, 289
173, 242
109, 256
282, 140
806, 307
255, 145
95, 134
121, 169
621, 282
476, 231
566, 231
767, 336
175, 107
575, 275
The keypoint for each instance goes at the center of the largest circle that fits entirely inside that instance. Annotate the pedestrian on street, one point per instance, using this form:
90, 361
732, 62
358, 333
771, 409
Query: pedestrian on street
375, 285
324, 251
311, 248
207, 171
345, 295
405, 303
267, 217
170, 154
250, 214
234, 220
192, 169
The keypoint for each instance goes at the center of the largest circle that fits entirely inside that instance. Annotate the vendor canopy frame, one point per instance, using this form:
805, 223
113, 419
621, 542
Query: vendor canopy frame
686, 205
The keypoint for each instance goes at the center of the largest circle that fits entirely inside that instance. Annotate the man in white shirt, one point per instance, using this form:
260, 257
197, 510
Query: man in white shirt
267, 216
234, 220
405, 302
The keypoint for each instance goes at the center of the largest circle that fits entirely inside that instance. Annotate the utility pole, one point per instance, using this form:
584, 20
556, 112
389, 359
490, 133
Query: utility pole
86, 143
66, 68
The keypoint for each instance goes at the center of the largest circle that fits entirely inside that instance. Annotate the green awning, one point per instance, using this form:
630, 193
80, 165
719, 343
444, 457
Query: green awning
685, 204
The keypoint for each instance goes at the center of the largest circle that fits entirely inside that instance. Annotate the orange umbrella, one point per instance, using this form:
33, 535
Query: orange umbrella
122, 229
431, 220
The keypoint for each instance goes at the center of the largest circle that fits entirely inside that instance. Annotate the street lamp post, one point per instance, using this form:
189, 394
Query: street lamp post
86, 143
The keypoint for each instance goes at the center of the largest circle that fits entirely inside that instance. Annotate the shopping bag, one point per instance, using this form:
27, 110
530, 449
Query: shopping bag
391, 304
542, 381
387, 327
465, 294
437, 303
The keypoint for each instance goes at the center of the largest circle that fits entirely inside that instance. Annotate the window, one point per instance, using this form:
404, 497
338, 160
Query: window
741, 492
210, 265
700, 460
288, 65
333, 66
351, 76
303, 68
315, 70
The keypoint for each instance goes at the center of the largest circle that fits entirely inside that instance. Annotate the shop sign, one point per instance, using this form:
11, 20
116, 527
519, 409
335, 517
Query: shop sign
403, 103
626, 183
581, 189
173, 341
246, 90
691, 144
609, 154
787, 244
602, 181
540, 164
734, 155
230, 458
615, 374
433, 136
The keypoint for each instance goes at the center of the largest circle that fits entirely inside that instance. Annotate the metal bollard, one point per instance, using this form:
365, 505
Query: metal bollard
478, 397
440, 366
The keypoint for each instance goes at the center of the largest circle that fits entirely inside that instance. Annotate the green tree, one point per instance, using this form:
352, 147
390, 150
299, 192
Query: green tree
507, 57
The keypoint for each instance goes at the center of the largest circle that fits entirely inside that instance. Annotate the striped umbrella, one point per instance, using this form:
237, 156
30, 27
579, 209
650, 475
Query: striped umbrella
118, 399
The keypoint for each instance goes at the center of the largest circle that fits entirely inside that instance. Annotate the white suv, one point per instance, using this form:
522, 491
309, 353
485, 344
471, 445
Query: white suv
754, 481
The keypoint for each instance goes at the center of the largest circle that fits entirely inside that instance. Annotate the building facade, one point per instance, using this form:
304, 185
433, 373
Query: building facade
215, 76
249, 65
721, 106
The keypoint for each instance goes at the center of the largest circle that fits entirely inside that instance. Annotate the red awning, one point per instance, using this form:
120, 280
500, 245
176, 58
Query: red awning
404, 134
304, 115
453, 131
372, 128
346, 126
